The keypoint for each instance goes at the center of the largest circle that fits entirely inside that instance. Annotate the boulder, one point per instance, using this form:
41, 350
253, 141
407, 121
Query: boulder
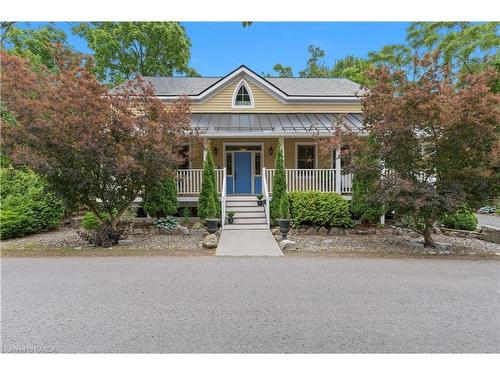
165, 231
198, 226
310, 231
287, 245
416, 244
436, 230
210, 241
125, 242
335, 231
322, 231
275, 231
490, 234
181, 230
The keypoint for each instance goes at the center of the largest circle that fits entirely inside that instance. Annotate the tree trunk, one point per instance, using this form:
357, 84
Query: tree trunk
428, 240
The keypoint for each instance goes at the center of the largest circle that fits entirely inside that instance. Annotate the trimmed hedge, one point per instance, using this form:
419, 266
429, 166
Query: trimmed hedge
463, 219
27, 207
318, 208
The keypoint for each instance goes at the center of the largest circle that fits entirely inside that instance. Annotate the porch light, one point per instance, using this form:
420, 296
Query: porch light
215, 150
271, 151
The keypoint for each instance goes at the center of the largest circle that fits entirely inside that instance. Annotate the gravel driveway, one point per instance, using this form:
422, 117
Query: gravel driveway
211, 304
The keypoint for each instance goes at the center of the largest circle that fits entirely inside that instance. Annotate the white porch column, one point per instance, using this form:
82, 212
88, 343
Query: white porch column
205, 148
337, 171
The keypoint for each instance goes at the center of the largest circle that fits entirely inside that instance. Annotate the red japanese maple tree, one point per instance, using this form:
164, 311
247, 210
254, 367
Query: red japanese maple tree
96, 148
436, 134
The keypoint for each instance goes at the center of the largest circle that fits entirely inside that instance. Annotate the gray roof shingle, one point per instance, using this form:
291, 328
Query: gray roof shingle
176, 86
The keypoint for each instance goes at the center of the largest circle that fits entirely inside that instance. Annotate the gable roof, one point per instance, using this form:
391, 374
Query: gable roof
284, 89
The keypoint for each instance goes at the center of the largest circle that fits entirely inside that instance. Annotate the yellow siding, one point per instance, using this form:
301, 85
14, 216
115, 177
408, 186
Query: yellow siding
265, 103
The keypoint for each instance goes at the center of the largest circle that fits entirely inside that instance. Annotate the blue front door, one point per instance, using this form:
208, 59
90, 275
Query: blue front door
242, 172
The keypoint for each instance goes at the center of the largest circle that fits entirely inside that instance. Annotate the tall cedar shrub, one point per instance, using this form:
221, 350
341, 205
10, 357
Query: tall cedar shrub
160, 199
26, 205
319, 208
285, 207
364, 204
208, 188
279, 184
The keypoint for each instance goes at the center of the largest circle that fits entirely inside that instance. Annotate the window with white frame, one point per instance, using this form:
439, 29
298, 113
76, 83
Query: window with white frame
243, 97
306, 156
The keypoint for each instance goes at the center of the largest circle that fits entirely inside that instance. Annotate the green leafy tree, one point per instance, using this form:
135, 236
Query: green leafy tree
279, 183
123, 50
353, 68
40, 46
392, 56
208, 191
283, 71
160, 198
316, 68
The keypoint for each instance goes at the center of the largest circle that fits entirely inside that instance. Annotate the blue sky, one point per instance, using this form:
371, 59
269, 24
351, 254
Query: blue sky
219, 47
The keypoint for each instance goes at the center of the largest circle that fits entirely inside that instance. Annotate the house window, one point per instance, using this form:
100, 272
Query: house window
306, 156
229, 163
184, 152
257, 164
242, 97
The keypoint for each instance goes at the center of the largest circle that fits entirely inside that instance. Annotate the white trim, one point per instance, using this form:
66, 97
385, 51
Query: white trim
252, 152
297, 144
280, 95
235, 93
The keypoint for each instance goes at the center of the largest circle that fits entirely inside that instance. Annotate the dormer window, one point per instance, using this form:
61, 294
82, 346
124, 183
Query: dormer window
242, 96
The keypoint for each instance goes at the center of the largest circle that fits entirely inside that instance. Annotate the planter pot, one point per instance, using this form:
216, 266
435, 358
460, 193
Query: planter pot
284, 227
212, 225
260, 203
230, 220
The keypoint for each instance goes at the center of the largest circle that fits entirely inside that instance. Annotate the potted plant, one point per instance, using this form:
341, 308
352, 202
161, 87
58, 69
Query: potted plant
285, 217
260, 199
230, 216
211, 219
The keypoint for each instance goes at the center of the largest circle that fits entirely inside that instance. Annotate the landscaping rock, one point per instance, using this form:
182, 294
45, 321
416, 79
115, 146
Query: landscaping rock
287, 245
335, 231
75, 222
471, 235
182, 230
322, 231
165, 231
198, 226
416, 244
398, 231
210, 241
275, 231
125, 242
443, 246
310, 231
138, 231
490, 234
436, 230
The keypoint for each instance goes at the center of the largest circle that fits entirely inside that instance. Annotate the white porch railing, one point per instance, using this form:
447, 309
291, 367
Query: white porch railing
189, 181
312, 179
265, 193
223, 199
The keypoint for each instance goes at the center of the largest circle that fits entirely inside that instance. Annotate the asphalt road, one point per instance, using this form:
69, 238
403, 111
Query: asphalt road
213, 304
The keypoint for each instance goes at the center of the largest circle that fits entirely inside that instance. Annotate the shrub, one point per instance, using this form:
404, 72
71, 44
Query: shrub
285, 207
279, 184
362, 205
104, 236
161, 198
463, 218
90, 222
168, 222
318, 208
208, 189
27, 207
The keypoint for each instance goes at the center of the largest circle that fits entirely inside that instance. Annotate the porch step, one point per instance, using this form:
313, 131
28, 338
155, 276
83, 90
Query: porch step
245, 208
241, 203
249, 220
256, 214
235, 198
245, 226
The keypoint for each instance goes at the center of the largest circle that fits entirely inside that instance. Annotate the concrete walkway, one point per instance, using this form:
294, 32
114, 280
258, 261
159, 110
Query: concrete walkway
247, 243
489, 220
